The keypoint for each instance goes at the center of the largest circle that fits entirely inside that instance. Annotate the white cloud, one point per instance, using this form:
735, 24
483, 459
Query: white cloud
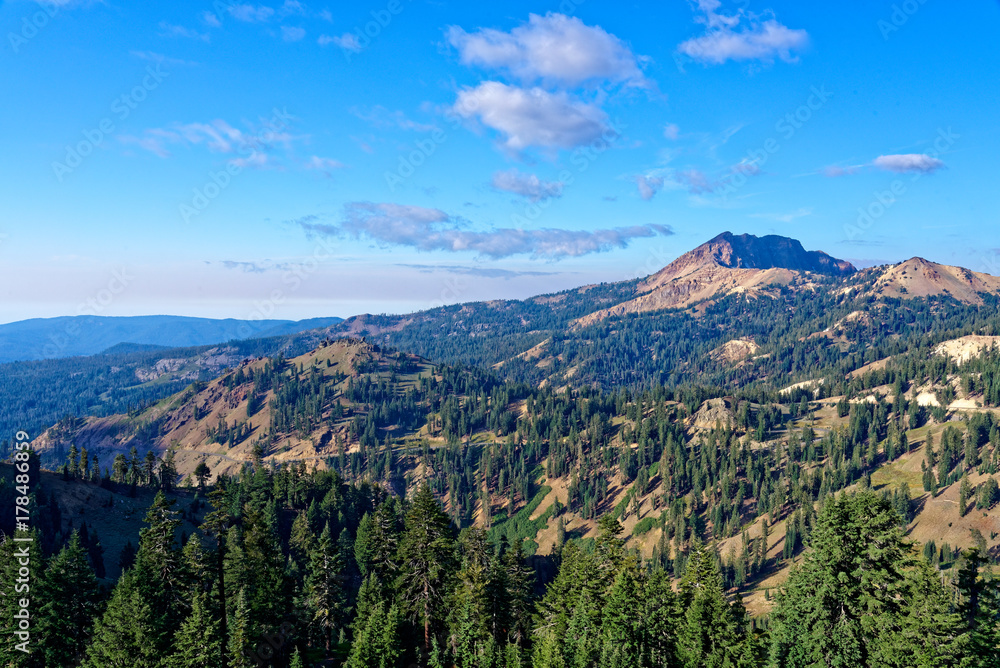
149, 143
526, 185
785, 217
218, 136
292, 7
834, 171
434, 230
742, 36
256, 160
323, 164
695, 181
381, 117
911, 162
170, 30
532, 117
554, 48
347, 41
648, 186
671, 131
251, 13
211, 19
292, 34
160, 58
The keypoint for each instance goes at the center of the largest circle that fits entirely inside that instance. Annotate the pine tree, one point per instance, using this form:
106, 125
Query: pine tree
929, 632
70, 594
964, 492
661, 619
216, 525
324, 596
376, 638
129, 634
839, 607
198, 642
979, 609
159, 558
426, 561
622, 641
709, 633
240, 644
519, 582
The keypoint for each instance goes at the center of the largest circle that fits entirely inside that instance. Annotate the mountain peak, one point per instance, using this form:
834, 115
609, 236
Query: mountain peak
727, 264
746, 251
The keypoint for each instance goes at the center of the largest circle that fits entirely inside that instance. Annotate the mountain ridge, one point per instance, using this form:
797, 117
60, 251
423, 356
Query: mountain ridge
727, 264
69, 336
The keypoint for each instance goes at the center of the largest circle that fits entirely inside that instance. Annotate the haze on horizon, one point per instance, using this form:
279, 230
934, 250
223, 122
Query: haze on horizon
292, 160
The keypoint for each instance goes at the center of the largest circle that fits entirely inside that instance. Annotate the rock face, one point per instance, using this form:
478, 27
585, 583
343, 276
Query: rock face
749, 252
725, 265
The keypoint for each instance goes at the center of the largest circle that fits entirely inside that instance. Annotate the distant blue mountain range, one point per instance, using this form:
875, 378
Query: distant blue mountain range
68, 336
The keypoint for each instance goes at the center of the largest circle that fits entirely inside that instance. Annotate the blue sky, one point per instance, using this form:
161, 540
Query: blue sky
292, 159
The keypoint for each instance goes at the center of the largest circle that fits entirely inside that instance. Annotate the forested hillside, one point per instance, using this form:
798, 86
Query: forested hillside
805, 475
289, 568
36, 394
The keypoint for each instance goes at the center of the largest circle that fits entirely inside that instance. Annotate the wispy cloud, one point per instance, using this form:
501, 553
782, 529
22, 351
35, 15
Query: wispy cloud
833, 171
695, 181
325, 165
253, 143
789, 217
211, 19
292, 8
251, 13
170, 30
253, 267
347, 41
485, 272
380, 117
154, 57
554, 48
742, 36
671, 131
526, 185
292, 33
434, 230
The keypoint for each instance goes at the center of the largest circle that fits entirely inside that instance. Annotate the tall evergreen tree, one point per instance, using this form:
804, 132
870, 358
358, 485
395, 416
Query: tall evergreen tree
70, 596
198, 642
846, 602
130, 633
426, 558
324, 589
